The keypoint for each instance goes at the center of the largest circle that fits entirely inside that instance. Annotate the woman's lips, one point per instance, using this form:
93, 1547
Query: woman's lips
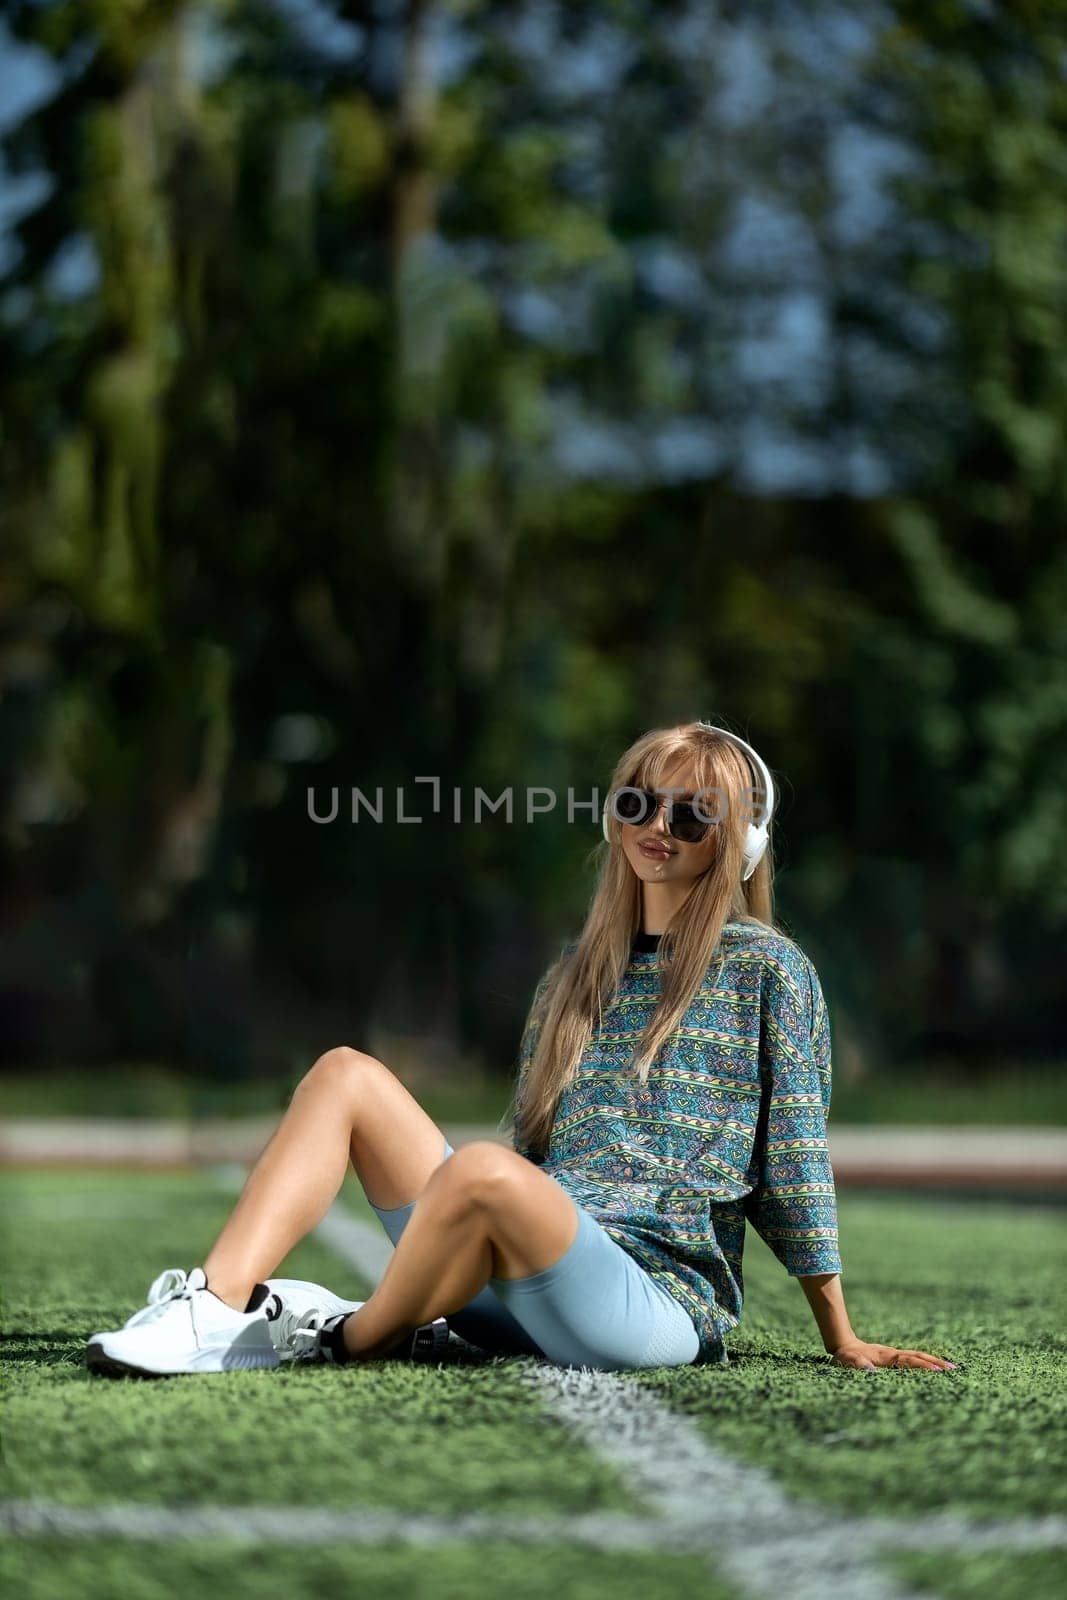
655, 852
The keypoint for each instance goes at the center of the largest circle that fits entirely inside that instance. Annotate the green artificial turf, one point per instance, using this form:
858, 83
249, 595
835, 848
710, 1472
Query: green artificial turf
52, 1569
982, 1285
80, 1251
987, 1575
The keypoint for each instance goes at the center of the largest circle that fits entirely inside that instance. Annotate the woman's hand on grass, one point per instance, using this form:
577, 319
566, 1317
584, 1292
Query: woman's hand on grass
858, 1353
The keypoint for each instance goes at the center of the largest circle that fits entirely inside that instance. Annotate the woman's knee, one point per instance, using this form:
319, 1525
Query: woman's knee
344, 1072
481, 1173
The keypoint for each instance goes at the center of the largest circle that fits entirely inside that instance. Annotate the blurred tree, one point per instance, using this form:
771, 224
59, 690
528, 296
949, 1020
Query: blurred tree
132, 708
981, 664
456, 389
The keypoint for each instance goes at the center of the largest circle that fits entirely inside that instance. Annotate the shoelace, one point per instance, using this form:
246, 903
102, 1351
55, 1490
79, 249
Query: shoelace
170, 1286
285, 1322
307, 1335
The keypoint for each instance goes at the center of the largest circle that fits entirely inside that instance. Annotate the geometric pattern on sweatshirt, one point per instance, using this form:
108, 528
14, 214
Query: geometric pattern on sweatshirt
730, 1129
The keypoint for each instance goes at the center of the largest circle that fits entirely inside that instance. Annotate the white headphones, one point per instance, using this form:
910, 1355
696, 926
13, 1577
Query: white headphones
756, 834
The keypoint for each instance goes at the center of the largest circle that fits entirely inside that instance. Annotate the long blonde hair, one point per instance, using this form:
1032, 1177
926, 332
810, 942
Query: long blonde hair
585, 976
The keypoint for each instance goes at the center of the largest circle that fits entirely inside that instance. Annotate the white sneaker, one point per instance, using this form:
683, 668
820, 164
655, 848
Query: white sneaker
297, 1300
185, 1328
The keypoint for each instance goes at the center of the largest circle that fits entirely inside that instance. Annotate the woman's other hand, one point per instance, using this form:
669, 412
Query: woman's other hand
858, 1353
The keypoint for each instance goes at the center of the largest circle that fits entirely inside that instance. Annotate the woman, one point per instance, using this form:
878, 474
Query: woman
674, 1080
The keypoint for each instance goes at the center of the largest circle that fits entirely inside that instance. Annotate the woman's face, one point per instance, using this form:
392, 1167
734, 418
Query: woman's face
669, 860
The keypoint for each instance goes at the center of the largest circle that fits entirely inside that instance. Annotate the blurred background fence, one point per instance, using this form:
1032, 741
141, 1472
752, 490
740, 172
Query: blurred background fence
394, 391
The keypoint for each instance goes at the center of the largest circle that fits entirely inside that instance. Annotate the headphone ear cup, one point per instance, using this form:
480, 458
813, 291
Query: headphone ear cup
755, 845
757, 834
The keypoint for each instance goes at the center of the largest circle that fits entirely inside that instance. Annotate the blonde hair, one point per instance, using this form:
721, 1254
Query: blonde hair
586, 975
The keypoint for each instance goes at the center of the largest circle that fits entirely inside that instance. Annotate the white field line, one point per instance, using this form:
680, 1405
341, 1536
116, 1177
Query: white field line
602, 1531
765, 1540
318, 1525
703, 1501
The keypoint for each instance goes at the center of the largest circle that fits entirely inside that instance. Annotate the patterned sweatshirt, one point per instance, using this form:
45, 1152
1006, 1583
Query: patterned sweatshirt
731, 1126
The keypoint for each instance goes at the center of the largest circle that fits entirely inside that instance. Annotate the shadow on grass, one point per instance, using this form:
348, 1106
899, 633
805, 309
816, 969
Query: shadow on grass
57, 1349
65, 1350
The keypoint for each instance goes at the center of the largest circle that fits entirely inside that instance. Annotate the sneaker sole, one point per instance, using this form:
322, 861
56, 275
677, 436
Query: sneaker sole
98, 1361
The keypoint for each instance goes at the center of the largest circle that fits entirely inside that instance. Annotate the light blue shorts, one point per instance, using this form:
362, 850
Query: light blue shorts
594, 1307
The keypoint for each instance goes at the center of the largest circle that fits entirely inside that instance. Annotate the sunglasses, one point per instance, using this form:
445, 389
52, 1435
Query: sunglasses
687, 823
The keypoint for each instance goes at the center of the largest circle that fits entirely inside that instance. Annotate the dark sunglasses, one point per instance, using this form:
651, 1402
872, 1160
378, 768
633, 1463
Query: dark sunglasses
685, 822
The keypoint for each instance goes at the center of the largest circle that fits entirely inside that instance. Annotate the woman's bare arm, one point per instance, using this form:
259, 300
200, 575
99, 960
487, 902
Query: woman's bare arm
827, 1301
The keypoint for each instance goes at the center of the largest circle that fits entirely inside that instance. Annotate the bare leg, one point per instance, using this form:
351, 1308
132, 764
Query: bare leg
347, 1107
486, 1212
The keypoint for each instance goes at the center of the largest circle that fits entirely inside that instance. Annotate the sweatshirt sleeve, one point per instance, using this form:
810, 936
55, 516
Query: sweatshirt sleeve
793, 1205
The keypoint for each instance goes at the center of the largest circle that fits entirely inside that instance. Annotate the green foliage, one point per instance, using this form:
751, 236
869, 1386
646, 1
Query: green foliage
367, 415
